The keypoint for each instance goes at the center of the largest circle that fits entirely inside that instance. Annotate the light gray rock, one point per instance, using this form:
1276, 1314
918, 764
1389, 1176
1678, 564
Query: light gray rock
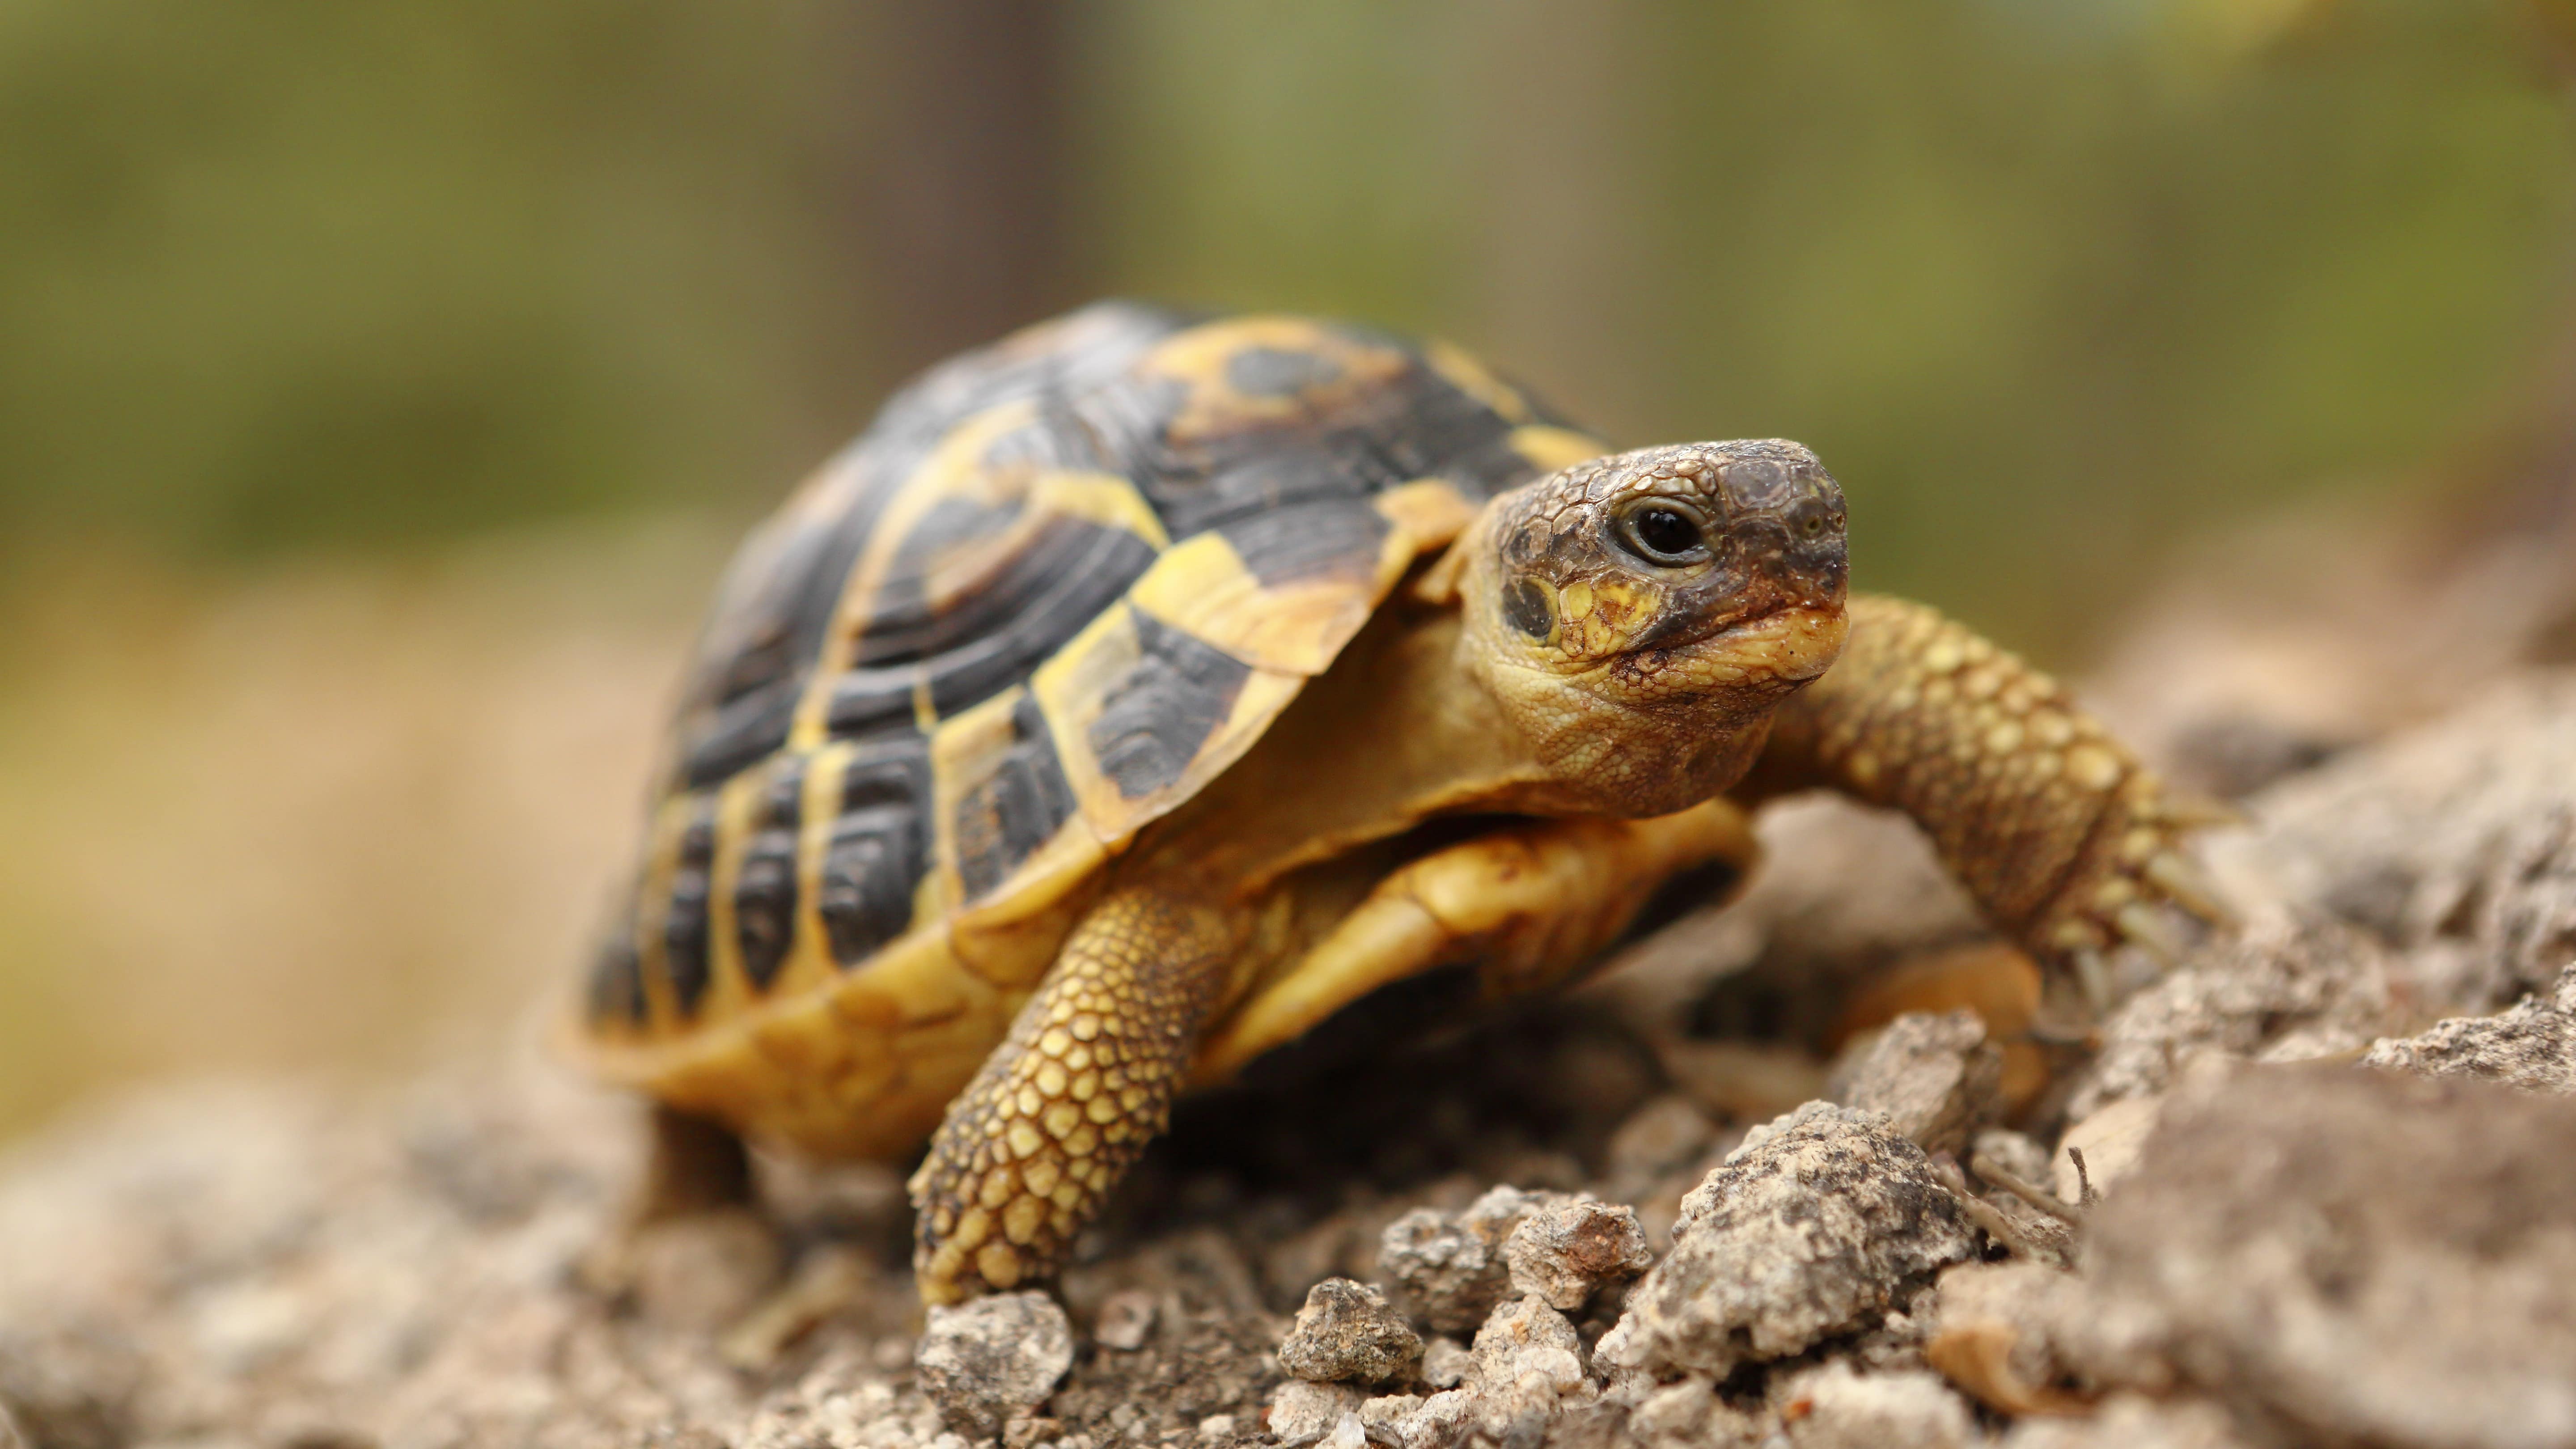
2453, 842
2134, 1421
982, 1362
1820, 1222
1126, 1320
1347, 1331
1836, 1407
1565, 1252
1449, 1276
2531, 1046
2295, 984
1445, 1420
2014, 1152
1935, 1076
1303, 1411
1450, 1268
1526, 1340
2374, 1258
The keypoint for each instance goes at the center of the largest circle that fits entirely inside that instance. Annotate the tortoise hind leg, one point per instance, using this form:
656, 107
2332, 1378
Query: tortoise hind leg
1531, 903
693, 1251
1066, 1103
695, 1165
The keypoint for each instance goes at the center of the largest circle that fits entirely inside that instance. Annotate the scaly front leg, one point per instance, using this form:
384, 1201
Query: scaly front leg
1063, 1106
2063, 838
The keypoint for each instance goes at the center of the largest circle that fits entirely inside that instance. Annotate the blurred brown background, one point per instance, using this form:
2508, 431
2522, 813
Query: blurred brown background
380, 387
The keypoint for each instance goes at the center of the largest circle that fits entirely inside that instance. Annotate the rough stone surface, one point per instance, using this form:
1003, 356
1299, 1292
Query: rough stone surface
2296, 984
1835, 1407
2110, 1141
2014, 1152
1442, 1421
2133, 1421
1563, 1253
991, 1358
1935, 1076
1303, 1411
1448, 1275
2453, 842
1446, 1363
1126, 1320
1346, 1331
1816, 1224
1526, 1339
1450, 1268
2379, 1259
2531, 1046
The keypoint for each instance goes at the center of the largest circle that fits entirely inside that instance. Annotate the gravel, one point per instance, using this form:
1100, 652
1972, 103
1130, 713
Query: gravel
1347, 1331
1564, 1253
2280, 1255
2531, 1046
1935, 1076
983, 1362
2375, 1258
1814, 1227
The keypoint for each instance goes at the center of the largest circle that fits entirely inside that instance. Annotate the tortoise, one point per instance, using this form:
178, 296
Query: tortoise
1144, 689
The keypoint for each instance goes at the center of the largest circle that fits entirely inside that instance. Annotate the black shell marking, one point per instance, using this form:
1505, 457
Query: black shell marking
1332, 536
1156, 716
780, 593
1272, 435
764, 891
684, 917
1004, 817
1073, 571
878, 850
617, 979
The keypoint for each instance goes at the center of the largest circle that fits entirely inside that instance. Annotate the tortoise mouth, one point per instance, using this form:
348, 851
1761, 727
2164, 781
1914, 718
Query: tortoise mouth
1687, 629
1790, 643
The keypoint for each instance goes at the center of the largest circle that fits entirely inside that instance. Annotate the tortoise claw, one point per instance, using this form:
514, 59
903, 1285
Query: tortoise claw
2093, 978
2149, 928
2194, 812
2189, 887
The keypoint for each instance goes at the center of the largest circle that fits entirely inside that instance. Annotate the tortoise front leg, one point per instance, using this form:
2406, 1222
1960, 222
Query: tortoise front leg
2062, 837
1065, 1104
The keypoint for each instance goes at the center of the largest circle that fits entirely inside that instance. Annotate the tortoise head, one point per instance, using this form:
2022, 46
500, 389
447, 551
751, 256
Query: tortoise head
1639, 616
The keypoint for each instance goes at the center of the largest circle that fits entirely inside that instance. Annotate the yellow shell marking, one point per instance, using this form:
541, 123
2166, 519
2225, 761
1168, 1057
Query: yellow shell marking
1465, 373
955, 469
1202, 358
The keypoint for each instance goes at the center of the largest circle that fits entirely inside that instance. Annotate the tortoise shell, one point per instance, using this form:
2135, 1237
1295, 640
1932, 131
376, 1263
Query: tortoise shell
1060, 584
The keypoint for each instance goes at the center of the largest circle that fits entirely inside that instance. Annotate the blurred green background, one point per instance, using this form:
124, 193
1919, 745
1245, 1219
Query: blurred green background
380, 386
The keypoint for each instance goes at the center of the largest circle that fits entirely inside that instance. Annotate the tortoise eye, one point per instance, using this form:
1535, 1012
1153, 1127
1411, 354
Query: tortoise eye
1662, 534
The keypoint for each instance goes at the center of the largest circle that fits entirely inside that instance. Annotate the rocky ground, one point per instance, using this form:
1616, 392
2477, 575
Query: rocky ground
1817, 1170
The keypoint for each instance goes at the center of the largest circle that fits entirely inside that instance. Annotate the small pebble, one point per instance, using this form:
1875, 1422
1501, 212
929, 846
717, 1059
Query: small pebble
1347, 1331
1302, 1412
984, 1361
1935, 1076
1563, 1252
1126, 1320
1446, 1363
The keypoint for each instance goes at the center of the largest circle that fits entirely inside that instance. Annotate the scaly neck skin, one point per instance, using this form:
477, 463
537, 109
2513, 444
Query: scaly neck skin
1397, 730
